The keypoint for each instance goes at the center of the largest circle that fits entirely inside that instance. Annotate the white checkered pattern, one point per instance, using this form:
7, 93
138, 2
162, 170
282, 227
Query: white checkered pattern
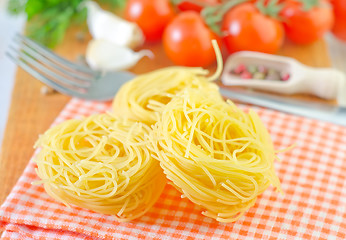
313, 177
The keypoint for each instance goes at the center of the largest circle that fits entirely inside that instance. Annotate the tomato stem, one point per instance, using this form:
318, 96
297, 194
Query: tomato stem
196, 2
213, 15
308, 4
271, 9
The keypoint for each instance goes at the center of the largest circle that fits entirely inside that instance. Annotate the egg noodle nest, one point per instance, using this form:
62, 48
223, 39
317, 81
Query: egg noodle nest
167, 124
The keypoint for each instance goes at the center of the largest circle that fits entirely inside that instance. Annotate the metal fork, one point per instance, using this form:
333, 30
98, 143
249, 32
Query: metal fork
64, 76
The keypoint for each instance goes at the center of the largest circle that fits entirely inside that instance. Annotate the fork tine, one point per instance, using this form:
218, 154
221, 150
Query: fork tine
42, 58
43, 78
66, 82
47, 52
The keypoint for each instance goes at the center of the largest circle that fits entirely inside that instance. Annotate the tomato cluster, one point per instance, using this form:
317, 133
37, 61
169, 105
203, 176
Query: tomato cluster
188, 26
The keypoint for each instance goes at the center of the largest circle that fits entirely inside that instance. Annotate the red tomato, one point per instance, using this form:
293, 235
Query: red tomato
305, 27
152, 16
196, 5
187, 40
245, 28
339, 28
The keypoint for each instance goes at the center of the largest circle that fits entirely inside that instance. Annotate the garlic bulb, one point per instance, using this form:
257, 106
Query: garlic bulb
107, 26
103, 55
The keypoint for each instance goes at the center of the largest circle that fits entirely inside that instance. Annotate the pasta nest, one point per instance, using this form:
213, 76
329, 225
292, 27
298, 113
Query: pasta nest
102, 164
159, 87
218, 156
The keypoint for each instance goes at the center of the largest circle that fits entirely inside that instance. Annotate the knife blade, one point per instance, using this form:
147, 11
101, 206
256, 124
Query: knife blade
323, 112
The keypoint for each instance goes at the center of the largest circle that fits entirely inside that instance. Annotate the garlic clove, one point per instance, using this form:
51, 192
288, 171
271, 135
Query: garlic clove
103, 55
108, 26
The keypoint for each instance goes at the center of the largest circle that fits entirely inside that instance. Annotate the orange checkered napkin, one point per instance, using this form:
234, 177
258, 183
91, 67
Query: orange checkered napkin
313, 177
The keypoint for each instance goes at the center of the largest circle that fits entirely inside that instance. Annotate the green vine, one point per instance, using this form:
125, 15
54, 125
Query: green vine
196, 2
213, 15
271, 9
309, 4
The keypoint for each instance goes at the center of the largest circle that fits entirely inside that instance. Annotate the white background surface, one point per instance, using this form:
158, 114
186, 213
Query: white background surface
9, 25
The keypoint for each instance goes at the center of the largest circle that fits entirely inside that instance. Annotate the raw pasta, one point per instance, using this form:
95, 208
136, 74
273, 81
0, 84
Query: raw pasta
160, 87
102, 164
218, 156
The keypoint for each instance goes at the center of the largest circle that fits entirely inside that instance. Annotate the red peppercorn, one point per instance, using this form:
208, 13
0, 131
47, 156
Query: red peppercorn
246, 75
240, 69
285, 77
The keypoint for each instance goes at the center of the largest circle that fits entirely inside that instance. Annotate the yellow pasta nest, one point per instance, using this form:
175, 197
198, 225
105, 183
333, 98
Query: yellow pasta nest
159, 86
100, 163
218, 156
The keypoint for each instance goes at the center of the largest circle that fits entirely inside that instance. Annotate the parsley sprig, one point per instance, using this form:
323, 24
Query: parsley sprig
48, 20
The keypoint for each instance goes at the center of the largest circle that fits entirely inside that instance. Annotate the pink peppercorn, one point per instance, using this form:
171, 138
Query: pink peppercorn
246, 75
239, 69
285, 77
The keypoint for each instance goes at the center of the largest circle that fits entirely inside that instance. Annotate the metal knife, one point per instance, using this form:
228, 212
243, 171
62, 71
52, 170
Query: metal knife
320, 111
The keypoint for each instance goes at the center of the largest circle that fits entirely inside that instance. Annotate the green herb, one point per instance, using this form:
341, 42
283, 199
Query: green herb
48, 20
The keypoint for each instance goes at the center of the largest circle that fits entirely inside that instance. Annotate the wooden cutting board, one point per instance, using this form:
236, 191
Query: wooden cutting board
31, 113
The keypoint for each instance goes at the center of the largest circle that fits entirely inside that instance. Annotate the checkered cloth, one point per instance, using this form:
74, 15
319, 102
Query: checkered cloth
313, 177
